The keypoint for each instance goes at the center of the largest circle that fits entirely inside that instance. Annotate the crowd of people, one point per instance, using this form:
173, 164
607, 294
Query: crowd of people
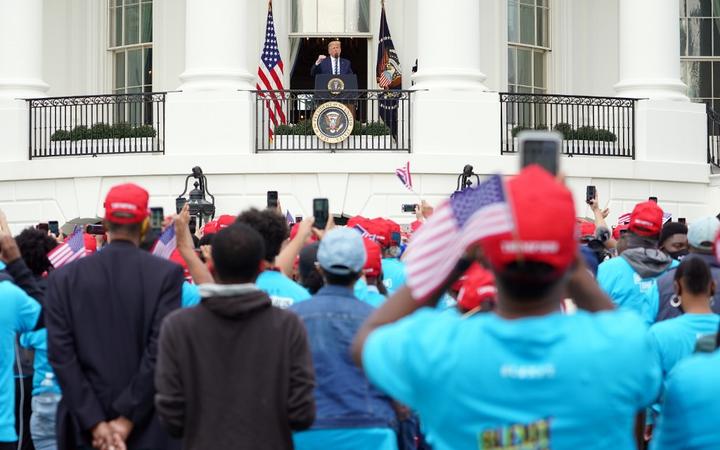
548, 331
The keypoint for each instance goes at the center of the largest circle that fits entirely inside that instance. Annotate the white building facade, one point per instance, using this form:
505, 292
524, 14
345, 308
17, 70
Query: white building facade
205, 55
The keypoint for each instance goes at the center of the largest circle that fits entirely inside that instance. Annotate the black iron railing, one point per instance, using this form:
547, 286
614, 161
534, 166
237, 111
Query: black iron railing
382, 120
94, 125
713, 145
591, 126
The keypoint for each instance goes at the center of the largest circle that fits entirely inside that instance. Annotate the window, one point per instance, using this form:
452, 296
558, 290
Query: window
312, 17
131, 46
700, 49
528, 45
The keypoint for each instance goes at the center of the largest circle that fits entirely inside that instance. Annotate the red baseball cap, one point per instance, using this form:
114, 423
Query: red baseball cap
126, 203
478, 287
90, 243
545, 224
415, 226
646, 219
225, 221
617, 231
294, 231
587, 228
391, 233
210, 228
373, 262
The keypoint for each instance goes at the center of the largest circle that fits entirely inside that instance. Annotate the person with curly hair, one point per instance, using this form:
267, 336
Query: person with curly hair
272, 226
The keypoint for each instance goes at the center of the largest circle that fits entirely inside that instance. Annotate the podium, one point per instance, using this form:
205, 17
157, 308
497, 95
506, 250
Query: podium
333, 87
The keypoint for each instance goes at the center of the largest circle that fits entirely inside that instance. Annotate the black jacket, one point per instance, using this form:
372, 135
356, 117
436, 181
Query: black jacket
667, 291
234, 373
103, 315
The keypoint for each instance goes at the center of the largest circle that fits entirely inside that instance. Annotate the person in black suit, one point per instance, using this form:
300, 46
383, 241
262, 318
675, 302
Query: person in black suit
103, 316
333, 65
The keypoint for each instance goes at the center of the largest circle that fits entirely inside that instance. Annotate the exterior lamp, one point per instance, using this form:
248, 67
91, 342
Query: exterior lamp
464, 180
200, 208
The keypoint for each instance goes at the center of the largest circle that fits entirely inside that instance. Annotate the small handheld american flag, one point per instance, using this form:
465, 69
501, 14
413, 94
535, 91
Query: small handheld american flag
166, 243
403, 173
468, 217
71, 250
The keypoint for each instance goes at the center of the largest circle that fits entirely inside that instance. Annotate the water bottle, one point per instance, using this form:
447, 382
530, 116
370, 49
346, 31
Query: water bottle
48, 380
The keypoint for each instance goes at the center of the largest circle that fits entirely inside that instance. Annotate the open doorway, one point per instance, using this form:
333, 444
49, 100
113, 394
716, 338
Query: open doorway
353, 49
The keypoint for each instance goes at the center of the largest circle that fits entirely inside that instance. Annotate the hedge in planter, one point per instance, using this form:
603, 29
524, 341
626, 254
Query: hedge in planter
304, 128
119, 130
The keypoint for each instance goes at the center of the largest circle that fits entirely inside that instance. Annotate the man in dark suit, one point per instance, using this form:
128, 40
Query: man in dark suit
333, 65
103, 316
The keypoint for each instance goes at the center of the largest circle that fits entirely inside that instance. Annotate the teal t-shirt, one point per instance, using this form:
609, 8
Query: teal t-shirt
44, 380
368, 294
691, 408
346, 439
557, 381
18, 313
394, 274
190, 295
628, 290
674, 339
283, 291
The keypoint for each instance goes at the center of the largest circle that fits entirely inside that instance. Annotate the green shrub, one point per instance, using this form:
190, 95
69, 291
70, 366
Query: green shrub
100, 131
566, 130
376, 129
80, 132
606, 136
121, 130
143, 131
60, 135
303, 128
104, 131
517, 130
283, 130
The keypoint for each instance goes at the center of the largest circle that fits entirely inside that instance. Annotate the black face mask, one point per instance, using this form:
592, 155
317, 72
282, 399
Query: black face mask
679, 255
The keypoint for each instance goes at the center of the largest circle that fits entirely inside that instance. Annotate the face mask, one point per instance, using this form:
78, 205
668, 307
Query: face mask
678, 255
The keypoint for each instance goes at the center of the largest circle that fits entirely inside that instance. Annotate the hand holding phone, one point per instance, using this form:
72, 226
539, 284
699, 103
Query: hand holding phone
157, 217
590, 194
321, 212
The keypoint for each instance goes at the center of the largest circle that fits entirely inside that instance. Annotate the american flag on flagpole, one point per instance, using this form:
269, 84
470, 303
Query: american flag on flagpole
624, 219
365, 233
166, 243
270, 75
469, 216
403, 173
289, 218
71, 250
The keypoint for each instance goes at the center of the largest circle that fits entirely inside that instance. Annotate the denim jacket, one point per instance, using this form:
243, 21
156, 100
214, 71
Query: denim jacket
344, 398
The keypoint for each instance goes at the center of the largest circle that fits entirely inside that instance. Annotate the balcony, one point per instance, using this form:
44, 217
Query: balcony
382, 121
591, 126
95, 125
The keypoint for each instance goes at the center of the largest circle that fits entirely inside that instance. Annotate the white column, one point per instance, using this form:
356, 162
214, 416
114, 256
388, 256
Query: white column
448, 43
216, 46
650, 50
21, 31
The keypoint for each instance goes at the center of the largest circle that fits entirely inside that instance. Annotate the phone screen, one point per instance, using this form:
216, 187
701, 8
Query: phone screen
54, 227
157, 215
542, 152
590, 193
321, 212
272, 199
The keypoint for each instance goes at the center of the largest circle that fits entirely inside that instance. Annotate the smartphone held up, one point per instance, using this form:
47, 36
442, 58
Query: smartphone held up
542, 148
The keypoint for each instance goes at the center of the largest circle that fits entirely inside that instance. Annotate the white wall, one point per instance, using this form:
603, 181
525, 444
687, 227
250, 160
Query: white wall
587, 51
168, 44
355, 183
